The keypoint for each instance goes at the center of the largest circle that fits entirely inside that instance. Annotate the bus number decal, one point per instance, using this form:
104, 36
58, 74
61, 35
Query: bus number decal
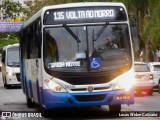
58, 15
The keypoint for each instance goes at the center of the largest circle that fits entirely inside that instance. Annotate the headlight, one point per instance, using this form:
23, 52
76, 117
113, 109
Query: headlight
54, 86
125, 81
10, 73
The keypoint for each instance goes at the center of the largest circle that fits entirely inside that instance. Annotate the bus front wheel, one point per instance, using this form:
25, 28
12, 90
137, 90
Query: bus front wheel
4, 82
6, 85
30, 103
45, 113
114, 108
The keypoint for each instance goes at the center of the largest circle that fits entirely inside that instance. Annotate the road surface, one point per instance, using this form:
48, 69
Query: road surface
14, 100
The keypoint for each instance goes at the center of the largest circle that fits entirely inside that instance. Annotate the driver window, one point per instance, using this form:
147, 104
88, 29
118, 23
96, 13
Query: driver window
51, 50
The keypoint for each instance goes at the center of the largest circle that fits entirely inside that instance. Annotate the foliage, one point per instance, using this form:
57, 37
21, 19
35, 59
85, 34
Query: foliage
10, 8
8, 42
151, 24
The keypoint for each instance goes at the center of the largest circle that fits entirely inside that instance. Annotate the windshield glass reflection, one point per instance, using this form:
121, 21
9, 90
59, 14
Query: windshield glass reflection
73, 49
13, 57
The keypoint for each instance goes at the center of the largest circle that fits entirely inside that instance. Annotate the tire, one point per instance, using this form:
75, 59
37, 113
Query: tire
115, 108
8, 86
45, 113
5, 84
30, 103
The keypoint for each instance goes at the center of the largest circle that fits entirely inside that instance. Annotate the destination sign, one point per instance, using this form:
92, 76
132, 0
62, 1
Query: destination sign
79, 15
83, 15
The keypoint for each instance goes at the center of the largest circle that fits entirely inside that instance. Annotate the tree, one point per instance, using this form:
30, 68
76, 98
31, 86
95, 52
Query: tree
8, 38
149, 21
149, 29
11, 9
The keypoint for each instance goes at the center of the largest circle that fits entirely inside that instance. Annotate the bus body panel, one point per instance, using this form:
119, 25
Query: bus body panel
59, 100
32, 78
22, 76
34, 74
12, 79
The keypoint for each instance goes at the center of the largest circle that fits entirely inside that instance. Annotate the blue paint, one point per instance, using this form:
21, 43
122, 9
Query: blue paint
22, 76
41, 96
38, 91
30, 89
60, 100
95, 62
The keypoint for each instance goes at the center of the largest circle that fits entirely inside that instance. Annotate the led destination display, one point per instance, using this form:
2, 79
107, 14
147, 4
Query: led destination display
83, 15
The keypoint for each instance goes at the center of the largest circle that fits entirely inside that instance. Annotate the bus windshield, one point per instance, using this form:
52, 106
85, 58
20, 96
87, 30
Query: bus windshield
13, 57
87, 48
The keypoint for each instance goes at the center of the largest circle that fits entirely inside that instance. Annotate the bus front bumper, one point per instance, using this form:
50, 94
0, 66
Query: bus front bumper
60, 100
13, 80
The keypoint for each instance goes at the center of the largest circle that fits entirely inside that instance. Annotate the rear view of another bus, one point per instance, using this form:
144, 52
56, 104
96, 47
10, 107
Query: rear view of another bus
10, 65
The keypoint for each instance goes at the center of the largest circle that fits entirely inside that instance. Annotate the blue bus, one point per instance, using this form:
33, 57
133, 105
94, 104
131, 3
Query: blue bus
77, 55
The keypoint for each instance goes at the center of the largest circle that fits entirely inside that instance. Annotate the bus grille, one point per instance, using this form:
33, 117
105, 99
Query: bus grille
84, 89
87, 80
90, 98
18, 76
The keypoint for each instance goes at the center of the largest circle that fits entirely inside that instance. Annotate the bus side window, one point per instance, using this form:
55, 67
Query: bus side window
28, 44
52, 49
38, 38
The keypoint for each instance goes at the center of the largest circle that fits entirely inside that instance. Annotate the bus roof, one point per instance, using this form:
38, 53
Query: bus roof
82, 4
10, 46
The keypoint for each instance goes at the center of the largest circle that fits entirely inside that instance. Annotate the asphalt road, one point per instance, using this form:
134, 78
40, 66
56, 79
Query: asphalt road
14, 100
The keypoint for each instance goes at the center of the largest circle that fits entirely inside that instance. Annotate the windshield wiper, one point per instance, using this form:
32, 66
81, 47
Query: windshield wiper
101, 31
72, 33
